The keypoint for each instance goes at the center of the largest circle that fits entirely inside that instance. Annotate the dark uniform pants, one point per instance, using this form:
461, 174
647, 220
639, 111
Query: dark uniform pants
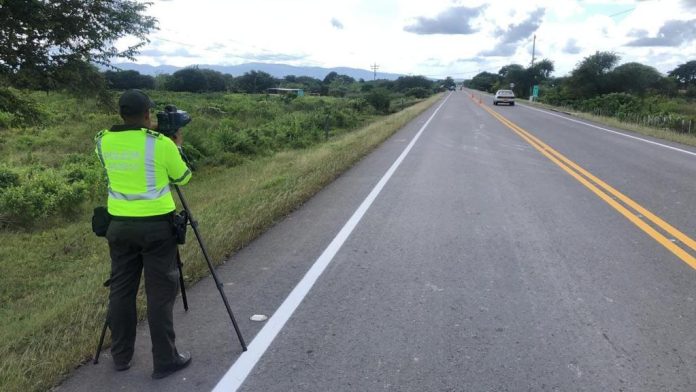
134, 245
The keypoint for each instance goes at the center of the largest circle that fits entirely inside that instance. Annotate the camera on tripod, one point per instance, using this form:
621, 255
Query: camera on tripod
171, 120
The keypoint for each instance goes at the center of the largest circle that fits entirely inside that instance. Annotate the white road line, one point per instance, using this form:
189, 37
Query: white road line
239, 371
611, 131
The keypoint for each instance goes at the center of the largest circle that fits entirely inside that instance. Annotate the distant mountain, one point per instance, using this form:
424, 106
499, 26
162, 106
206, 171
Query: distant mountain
277, 70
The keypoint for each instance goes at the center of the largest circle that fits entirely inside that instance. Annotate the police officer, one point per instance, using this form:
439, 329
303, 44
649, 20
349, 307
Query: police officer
140, 166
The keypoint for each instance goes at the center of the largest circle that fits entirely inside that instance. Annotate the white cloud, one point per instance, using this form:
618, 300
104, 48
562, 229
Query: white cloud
297, 32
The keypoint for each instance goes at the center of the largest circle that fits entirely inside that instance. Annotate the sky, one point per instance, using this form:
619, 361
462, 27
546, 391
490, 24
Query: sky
435, 38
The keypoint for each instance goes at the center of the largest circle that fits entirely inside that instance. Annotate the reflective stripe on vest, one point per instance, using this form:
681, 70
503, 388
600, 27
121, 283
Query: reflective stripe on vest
149, 195
150, 182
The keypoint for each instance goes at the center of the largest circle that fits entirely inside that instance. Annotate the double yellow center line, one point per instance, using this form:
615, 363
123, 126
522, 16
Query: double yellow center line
634, 212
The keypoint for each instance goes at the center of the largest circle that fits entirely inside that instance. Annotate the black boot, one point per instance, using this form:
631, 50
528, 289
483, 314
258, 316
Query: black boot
181, 361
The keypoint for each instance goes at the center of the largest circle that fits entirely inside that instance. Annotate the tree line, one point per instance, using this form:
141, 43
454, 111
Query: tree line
595, 75
631, 92
195, 79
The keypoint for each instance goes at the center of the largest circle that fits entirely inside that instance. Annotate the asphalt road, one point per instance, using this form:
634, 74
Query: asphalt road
481, 265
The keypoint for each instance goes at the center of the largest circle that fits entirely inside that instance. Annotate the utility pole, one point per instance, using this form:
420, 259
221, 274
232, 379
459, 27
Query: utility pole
533, 51
374, 68
531, 88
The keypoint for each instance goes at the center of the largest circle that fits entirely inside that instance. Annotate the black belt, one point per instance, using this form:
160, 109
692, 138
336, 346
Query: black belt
154, 218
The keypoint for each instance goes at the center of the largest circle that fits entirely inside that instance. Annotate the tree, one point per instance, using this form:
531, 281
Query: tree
517, 74
449, 83
330, 77
190, 79
336, 84
589, 78
379, 99
46, 35
311, 84
484, 81
404, 83
163, 81
124, 80
511, 73
255, 82
215, 81
634, 78
81, 79
685, 74
542, 70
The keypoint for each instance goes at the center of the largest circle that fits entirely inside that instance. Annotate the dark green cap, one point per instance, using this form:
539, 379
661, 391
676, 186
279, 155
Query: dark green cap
134, 102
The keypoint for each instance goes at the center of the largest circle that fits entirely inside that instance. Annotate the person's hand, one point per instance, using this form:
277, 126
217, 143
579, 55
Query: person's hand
178, 138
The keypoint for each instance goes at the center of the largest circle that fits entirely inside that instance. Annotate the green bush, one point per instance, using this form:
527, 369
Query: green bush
42, 195
617, 104
7, 120
8, 178
418, 92
87, 172
54, 168
691, 92
23, 110
236, 142
380, 100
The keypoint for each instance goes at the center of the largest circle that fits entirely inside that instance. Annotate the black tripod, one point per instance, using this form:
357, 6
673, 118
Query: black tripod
194, 224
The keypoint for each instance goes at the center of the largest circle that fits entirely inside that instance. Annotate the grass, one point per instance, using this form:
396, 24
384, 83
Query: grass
50, 278
664, 134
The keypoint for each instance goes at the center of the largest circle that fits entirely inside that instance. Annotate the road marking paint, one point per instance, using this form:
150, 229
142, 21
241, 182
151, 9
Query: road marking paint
239, 371
612, 131
627, 200
609, 195
614, 192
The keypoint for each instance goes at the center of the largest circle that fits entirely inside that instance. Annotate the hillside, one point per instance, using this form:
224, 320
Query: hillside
276, 70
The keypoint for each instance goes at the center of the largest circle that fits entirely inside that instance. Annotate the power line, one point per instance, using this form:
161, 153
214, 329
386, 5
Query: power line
374, 67
622, 12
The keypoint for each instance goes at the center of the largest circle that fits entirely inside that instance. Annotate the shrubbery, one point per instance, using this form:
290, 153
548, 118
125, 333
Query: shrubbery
41, 195
54, 170
418, 92
380, 100
263, 125
17, 110
617, 103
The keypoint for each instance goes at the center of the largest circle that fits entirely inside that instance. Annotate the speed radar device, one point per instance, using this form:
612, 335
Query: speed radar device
171, 120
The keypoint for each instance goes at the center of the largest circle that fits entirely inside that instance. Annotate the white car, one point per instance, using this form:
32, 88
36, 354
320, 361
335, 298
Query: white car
504, 96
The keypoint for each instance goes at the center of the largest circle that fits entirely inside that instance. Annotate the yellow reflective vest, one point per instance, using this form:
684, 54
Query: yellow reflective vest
140, 164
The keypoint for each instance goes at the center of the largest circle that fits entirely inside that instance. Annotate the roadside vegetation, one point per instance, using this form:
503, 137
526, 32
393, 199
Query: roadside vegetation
262, 155
49, 171
258, 157
630, 95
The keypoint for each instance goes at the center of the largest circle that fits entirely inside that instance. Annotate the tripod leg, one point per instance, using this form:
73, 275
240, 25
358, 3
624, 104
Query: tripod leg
101, 340
194, 226
180, 264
